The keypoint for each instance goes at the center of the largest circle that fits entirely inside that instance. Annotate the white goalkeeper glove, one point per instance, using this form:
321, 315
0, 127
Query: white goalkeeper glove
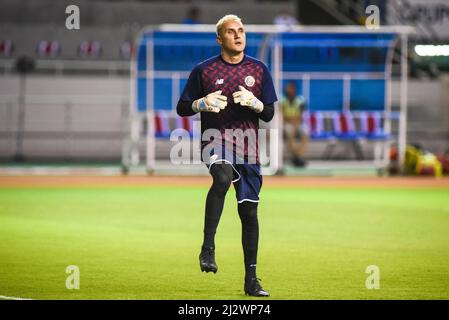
247, 98
213, 102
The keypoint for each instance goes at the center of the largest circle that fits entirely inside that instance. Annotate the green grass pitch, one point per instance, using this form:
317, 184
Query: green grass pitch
143, 243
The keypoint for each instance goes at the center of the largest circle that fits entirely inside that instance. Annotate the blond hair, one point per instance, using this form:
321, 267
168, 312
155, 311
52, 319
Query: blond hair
226, 18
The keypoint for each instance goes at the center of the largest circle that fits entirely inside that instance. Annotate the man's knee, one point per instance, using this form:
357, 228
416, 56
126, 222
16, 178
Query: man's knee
222, 177
248, 211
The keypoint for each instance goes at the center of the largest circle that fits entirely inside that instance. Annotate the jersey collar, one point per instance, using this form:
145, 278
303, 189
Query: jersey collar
233, 64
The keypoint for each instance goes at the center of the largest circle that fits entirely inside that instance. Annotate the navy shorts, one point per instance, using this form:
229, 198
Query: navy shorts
247, 178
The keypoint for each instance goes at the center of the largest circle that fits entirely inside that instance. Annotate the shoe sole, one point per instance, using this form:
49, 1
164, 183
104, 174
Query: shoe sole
204, 269
262, 296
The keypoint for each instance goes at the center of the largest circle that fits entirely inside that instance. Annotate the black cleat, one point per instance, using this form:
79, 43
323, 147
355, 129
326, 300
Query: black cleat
207, 260
253, 288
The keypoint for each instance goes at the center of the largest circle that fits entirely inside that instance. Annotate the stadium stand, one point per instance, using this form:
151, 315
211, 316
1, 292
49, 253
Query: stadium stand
63, 86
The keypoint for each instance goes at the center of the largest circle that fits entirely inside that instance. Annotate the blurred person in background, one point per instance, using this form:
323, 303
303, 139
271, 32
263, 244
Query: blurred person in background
193, 16
292, 107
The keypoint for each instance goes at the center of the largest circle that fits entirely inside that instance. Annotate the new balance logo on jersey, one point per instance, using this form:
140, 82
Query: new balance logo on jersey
219, 81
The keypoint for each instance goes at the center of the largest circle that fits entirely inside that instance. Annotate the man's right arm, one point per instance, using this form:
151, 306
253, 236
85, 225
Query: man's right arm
213, 102
193, 100
184, 108
191, 92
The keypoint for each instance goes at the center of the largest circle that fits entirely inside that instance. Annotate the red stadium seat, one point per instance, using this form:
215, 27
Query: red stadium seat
46, 48
314, 122
344, 127
345, 131
6, 48
371, 126
162, 124
91, 49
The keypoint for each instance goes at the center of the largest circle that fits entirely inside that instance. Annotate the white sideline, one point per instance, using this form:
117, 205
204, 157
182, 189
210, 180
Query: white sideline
13, 298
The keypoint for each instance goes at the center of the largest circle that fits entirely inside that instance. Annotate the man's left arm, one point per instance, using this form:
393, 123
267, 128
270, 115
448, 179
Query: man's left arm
246, 98
267, 112
268, 97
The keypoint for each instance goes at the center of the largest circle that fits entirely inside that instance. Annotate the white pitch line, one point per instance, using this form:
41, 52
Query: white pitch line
13, 298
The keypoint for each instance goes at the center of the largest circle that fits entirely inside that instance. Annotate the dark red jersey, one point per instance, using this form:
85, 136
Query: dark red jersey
216, 74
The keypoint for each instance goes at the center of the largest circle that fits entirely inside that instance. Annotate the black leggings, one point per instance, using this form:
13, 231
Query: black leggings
222, 174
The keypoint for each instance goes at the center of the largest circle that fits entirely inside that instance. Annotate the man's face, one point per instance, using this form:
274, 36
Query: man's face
232, 37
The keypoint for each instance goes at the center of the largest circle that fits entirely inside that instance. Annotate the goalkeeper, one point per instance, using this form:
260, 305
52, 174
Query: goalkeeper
231, 91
